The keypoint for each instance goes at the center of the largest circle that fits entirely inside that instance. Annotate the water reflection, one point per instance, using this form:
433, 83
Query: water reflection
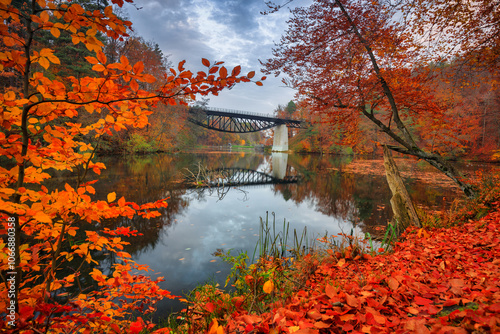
324, 196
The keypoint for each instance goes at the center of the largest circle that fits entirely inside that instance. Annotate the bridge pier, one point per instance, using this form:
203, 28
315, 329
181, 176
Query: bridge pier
280, 141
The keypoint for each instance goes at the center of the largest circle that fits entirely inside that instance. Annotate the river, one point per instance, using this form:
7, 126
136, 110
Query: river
325, 194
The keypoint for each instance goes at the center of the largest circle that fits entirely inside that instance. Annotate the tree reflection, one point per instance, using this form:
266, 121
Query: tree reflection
326, 183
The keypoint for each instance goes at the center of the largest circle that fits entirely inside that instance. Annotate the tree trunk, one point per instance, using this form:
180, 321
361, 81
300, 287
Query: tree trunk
402, 206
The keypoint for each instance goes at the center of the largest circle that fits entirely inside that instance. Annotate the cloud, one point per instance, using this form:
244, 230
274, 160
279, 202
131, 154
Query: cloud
232, 31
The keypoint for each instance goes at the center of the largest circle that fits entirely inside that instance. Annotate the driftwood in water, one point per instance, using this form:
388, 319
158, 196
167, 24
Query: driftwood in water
402, 206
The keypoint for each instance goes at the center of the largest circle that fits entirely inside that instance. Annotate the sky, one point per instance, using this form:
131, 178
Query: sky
232, 31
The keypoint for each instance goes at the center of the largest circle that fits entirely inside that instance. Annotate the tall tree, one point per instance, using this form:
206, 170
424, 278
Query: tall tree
53, 229
359, 58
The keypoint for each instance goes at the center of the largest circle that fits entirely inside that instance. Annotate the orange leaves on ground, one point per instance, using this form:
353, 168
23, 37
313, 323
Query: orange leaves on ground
404, 291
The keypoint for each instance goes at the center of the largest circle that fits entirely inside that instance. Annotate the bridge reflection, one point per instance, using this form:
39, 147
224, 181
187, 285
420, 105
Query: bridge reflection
235, 177
221, 180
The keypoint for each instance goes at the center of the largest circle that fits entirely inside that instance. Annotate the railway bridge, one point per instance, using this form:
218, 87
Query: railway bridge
235, 121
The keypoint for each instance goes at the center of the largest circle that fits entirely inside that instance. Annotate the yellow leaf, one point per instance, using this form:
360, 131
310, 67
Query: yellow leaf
111, 197
268, 287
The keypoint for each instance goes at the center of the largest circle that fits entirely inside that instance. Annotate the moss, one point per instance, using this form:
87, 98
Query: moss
449, 309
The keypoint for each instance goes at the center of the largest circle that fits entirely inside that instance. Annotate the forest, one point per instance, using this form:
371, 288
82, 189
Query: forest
419, 77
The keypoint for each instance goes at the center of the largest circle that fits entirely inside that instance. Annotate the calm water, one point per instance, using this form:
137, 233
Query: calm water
324, 194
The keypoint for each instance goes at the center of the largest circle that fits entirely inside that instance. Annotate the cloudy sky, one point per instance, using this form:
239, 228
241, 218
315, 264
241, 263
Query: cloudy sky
232, 31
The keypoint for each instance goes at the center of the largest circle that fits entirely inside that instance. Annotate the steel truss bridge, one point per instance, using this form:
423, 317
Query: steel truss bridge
236, 177
235, 121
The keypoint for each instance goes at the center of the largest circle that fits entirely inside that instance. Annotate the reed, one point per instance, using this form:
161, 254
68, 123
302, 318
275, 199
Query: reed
275, 243
390, 236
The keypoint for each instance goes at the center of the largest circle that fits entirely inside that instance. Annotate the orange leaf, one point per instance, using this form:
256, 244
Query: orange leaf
330, 291
92, 60
393, 283
215, 328
98, 68
205, 62
306, 331
268, 286
457, 283
102, 57
321, 324
55, 32
351, 300
138, 67
111, 197
347, 317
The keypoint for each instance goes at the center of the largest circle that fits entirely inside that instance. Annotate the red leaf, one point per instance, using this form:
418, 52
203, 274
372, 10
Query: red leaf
223, 72
210, 307
205, 62
451, 302
180, 67
422, 301
236, 70
136, 327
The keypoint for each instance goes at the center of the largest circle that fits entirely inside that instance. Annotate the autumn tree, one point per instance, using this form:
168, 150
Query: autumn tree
356, 58
46, 230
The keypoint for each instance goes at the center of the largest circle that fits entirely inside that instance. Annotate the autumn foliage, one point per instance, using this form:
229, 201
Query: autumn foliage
400, 73
54, 123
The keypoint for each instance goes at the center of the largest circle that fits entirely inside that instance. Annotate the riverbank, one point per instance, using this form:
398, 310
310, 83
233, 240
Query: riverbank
436, 280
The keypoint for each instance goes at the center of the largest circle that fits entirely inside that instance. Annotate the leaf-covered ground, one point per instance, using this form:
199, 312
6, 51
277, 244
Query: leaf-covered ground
435, 281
